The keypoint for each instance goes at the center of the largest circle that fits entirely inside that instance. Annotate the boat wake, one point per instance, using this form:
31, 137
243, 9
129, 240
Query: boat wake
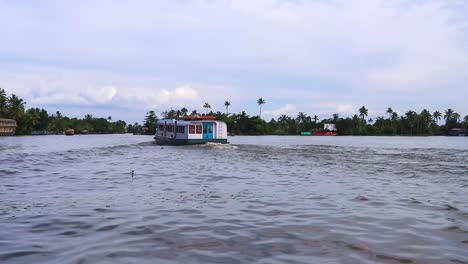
221, 145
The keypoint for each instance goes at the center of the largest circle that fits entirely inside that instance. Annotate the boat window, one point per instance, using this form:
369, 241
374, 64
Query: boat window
170, 129
181, 129
199, 129
192, 129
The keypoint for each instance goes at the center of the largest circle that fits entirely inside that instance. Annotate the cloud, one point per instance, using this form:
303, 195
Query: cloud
87, 96
43, 87
156, 54
288, 109
180, 94
374, 43
100, 95
346, 108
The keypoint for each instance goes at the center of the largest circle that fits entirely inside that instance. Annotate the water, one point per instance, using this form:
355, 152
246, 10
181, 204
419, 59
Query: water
258, 200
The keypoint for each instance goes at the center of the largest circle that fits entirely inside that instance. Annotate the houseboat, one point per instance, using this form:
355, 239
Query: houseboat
7, 127
191, 130
461, 132
70, 132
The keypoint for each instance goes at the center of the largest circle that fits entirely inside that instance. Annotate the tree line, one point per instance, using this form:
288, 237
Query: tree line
39, 121
410, 123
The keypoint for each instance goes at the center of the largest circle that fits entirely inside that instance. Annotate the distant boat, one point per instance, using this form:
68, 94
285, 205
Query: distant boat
7, 127
328, 130
191, 130
69, 132
461, 132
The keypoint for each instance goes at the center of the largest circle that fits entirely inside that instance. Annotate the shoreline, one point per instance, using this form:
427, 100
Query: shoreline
269, 135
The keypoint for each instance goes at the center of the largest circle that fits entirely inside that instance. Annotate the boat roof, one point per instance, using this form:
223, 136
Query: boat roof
186, 122
7, 119
181, 122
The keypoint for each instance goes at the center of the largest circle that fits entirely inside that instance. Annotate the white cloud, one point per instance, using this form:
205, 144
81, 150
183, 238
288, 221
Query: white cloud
375, 51
99, 95
179, 95
345, 108
42, 87
84, 96
372, 43
288, 109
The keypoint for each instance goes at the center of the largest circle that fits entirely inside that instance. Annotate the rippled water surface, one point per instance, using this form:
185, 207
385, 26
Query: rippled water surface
258, 200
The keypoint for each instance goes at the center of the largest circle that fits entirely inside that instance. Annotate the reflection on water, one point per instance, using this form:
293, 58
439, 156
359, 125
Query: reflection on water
261, 199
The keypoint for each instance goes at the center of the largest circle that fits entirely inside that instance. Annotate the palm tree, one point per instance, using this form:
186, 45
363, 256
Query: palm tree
3, 102
301, 119
194, 113
283, 121
456, 116
426, 118
380, 122
411, 116
436, 116
109, 118
448, 114
335, 117
389, 111
465, 119
207, 106
227, 104
184, 111
363, 112
390, 114
58, 122
393, 118
261, 102
34, 117
16, 107
315, 118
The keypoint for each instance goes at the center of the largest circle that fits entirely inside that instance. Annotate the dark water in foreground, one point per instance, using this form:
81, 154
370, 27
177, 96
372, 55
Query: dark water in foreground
260, 200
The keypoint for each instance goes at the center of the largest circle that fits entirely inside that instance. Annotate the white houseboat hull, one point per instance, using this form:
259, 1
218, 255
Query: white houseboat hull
190, 132
176, 142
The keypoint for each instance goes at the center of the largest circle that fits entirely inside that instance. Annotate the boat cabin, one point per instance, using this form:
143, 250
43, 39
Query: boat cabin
7, 127
190, 130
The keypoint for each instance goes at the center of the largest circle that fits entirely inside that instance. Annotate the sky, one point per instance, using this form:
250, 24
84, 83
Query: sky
123, 58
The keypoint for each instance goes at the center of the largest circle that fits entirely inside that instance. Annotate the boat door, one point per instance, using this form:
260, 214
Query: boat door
207, 130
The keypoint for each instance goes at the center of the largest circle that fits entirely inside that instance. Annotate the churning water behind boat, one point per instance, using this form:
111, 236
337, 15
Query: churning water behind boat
260, 199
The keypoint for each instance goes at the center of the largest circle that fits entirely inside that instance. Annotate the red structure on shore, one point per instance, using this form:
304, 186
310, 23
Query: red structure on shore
324, 133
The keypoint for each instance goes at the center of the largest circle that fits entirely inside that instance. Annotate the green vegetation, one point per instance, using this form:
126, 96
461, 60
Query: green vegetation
409, 124
35, 120
38, 121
